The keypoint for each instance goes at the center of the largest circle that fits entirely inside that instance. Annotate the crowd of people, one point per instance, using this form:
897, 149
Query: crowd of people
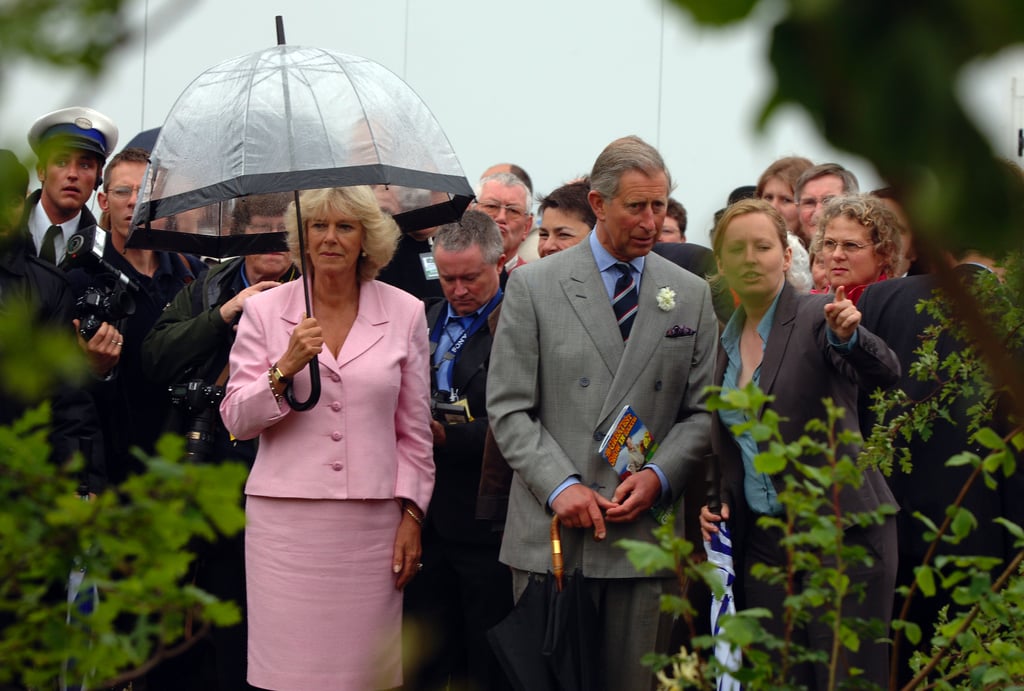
466, 376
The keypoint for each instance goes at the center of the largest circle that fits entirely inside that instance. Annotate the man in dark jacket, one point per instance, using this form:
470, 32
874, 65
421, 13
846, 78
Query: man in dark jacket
132, 407
890, 311
23, 276
463, 589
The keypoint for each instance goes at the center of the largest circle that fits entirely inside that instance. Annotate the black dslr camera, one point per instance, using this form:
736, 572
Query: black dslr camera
444, 409
101, 303
198, 401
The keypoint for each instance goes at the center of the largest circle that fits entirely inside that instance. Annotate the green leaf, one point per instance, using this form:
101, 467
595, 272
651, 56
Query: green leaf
913, 632
988, 438
965, 458
645, 557
849, 638
1011, 527
717, 12
963, 523
742, 630
925, 580
769, 463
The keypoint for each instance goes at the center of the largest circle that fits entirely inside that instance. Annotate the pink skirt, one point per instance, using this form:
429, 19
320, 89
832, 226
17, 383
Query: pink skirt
323, 609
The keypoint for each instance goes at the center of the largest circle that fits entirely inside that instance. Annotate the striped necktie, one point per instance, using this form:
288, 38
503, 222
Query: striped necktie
624, 302
48, 250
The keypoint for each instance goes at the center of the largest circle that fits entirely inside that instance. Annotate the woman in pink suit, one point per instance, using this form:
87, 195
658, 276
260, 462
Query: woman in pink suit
337, 493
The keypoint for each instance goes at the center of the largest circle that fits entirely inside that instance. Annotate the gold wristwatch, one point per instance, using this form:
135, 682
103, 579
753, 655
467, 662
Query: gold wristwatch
278, 376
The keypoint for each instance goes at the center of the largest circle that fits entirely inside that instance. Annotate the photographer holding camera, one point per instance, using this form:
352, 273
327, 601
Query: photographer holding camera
187, 351
133, 408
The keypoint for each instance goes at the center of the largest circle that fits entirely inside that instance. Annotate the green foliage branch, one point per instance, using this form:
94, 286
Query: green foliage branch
135, 544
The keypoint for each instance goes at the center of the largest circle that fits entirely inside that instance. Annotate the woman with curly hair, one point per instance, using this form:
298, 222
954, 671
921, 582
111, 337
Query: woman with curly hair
860, 240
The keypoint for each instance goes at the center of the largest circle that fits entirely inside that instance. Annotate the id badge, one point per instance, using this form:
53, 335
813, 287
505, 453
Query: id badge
429, 268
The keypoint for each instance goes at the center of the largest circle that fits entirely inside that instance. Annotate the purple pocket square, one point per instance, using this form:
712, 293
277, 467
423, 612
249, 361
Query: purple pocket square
677, 331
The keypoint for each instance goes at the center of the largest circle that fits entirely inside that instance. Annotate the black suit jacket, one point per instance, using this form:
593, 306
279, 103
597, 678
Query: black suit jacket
453, 506
405, 270
800, 369
888, 310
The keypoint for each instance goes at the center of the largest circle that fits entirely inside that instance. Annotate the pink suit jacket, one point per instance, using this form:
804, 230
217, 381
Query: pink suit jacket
368, 437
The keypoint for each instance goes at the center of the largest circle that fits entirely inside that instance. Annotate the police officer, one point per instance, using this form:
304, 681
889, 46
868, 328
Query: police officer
72, 145
25, 277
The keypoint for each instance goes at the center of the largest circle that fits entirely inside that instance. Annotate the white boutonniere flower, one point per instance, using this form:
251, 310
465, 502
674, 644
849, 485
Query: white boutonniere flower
666, 299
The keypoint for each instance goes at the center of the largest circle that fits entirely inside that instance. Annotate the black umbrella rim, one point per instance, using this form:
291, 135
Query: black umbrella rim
143, 236
289, 181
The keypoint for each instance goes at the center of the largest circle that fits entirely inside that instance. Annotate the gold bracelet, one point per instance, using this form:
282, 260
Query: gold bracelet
270, 380
418, 519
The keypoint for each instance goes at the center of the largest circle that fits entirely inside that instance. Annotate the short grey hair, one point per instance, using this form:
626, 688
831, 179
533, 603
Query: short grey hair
622, 155
475, 228
507, 180
849, 180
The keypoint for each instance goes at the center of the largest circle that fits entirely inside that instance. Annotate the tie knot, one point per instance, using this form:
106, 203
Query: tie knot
462, 321
624, 268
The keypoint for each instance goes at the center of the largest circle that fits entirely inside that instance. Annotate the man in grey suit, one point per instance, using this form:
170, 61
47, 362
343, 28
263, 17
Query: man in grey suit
565, 361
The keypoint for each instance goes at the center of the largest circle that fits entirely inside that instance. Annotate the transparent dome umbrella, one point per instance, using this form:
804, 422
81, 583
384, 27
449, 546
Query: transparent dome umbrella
292, 118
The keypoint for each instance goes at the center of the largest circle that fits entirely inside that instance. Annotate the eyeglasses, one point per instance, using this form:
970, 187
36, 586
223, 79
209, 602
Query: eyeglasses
829, 246
492, 209
811, 202
123, 192
267, 227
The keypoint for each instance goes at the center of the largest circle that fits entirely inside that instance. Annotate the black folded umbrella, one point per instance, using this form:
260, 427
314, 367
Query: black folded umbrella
550, 639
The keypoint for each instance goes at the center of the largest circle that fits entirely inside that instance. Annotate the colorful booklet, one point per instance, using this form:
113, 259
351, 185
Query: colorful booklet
628, 447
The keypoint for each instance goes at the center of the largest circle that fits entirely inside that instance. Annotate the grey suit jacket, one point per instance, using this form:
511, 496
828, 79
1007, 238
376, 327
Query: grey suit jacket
559, 375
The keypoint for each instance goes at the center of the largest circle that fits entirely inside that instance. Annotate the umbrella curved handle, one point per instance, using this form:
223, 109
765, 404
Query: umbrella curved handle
314, 389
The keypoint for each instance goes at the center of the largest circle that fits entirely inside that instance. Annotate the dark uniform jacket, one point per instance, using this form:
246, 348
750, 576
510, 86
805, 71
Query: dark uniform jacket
75, 425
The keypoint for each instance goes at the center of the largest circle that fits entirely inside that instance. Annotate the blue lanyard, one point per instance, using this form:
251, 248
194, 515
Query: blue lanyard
453, 352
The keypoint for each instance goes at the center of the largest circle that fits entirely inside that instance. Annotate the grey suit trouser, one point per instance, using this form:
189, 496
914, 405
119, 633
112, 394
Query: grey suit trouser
631, 622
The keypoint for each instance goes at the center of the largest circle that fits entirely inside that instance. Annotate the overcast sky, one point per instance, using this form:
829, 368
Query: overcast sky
543, 83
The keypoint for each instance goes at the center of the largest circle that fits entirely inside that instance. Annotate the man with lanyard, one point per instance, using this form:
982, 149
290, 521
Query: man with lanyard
462, 589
